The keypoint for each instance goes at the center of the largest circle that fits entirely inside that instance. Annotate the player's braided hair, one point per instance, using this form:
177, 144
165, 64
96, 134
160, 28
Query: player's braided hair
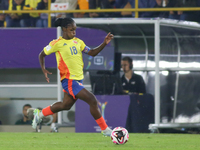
63, 22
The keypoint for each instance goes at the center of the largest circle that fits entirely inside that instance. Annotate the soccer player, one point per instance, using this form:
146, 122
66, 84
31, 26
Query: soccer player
68, 50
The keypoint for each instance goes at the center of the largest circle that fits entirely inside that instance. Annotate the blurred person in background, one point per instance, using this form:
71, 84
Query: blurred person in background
72, 5
162, 4
141, 4
15, 19
101, 4
24, 120
131, 82
3, 6
82, 5
43, 21
2, 19
185, 15
31, 21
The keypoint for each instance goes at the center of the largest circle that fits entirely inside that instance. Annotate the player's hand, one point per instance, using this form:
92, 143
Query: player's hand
108, 38
46, 72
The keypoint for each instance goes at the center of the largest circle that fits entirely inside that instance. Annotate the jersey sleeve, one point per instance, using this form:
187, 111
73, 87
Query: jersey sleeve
51, 48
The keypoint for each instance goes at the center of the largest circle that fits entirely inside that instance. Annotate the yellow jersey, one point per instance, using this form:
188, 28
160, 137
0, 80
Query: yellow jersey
32, 5
68, 56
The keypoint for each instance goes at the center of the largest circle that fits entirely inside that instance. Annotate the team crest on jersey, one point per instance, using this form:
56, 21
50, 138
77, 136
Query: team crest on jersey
75, 42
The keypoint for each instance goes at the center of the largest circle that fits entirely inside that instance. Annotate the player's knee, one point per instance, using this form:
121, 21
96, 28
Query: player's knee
93, 101
66, 107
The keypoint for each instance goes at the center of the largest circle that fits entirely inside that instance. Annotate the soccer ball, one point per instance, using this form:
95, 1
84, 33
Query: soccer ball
119, 135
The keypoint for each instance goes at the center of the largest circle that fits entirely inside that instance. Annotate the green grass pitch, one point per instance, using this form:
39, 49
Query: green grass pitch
95, 141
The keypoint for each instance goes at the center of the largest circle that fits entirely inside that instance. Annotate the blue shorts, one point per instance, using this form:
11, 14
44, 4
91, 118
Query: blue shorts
72, 87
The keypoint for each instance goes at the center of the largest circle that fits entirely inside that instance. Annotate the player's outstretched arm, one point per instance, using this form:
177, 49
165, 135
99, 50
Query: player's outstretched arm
42, 65
96, 50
